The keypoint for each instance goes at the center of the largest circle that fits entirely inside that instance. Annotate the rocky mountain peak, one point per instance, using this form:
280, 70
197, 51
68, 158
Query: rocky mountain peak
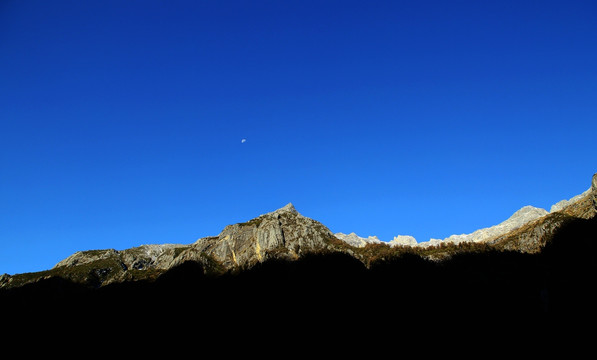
354, 240
527, 213
283, 233
403, 240
582, 206
560, 205
521, 217
280, 234
288, 208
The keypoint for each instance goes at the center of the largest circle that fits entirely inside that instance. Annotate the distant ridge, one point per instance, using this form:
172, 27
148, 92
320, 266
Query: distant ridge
523, 216
285, 234
287, 273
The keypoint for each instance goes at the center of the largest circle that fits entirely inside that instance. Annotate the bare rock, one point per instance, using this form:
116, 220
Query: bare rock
403, 240
594, 191
518, 219
281, 233
353, 239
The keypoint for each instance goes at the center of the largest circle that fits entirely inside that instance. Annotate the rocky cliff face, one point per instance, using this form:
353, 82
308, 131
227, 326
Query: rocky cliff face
559, 206
139, 258
403, 240
518, 219
283, 233
353, 239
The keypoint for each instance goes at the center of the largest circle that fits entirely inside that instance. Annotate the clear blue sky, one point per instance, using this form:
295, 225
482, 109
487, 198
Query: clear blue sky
121, 121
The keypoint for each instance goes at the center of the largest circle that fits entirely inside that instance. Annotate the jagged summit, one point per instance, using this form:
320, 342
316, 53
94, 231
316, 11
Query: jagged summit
403, 240
581, 206
357, 241
560, 205
520, 218
280, 234
283, 233
288, 208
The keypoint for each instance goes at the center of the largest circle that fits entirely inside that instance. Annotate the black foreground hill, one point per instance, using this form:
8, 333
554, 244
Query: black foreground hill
329, 288
557, 280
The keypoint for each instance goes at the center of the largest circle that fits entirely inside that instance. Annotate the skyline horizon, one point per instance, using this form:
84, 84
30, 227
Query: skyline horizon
549, 210
144, 122
430, 240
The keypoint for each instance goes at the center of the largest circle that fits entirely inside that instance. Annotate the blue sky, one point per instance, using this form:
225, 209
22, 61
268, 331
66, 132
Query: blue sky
121, 121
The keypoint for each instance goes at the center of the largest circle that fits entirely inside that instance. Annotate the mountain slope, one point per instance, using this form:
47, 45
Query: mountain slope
534, 235
286, 235
518, 219
289, 275
281, 234
353, 239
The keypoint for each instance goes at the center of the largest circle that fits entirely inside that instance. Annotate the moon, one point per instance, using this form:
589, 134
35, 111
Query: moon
243, 141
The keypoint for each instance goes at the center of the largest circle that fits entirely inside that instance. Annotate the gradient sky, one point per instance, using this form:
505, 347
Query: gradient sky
121, 121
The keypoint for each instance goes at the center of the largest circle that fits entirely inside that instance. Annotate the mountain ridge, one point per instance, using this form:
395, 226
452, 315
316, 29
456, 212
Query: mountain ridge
519, 218
288, 273
285, 234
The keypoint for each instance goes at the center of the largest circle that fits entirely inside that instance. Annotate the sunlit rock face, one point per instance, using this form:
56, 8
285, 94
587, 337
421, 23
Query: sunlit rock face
533, 236
403, 240
582, 206
353, 239
281, 233
518, 219
594, 191
560, 205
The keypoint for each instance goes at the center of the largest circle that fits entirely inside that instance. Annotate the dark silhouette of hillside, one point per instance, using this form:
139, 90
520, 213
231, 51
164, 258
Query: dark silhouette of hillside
331, 293
570, 265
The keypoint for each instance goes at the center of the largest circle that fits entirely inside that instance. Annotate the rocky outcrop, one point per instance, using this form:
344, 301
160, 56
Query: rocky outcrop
282, 233
102, 267
560, 205
353, 239
529, 228
526, 230
403, 240
139, 258
534, 235
518, 219
580, 206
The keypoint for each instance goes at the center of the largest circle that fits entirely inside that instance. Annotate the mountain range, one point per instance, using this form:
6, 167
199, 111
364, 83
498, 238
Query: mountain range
525, 215
288, 265
286, 234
